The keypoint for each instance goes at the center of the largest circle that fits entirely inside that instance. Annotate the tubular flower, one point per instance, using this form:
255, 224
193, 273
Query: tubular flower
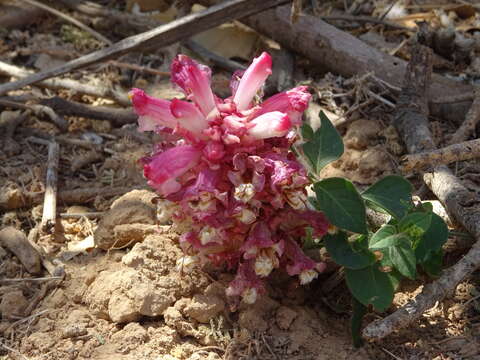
237, 192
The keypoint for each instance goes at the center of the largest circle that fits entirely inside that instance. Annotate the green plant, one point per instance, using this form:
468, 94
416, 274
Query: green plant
375, 260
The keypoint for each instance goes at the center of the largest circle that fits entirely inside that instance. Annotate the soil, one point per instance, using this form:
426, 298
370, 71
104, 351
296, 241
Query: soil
117, 291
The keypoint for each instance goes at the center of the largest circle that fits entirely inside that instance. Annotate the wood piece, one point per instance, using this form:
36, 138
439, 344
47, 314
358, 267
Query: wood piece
161, 36
76, 86
86, 159
38, 110
49, 215
64, 107
471, 121
457, 152
68, 18
16, 241
462, 205
93, 9
344, 54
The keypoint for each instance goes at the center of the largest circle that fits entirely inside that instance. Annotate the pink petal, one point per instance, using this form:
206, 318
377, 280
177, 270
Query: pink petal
252, 80
164, 168
260, 237
292, 102
245, 279
189, 117
214, 151
194, 79
152, 112
272, 124
297, 260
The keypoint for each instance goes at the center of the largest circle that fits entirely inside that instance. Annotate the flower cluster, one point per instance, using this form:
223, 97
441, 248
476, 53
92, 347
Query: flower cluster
226, 164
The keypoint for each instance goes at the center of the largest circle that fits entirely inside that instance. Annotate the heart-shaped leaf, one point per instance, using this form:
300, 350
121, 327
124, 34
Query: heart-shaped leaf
342, 204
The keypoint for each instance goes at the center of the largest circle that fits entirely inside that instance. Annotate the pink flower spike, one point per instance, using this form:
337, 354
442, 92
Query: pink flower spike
272, 124
189, 117
194, 79
164, 168
252, 80
152, 112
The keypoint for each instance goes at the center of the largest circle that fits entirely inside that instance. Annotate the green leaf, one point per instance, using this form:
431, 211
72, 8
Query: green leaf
325, 145
342, 204
342, 253
392, 193
370, 286
359, 311
403, 259
307, 132
397, 251
433, 239
419, 220
382, 233
433, 264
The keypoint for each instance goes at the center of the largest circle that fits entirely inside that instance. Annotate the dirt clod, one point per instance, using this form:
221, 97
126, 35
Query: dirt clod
13, 304
203, 308
285, 317
135, 207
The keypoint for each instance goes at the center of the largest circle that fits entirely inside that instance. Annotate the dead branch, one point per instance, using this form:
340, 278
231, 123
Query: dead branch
76, 86
16, 241
457, 152
38, 109
461, 204
49, 215
64, 107
471, 120
339, 52
161, 36
71, 20
86, 159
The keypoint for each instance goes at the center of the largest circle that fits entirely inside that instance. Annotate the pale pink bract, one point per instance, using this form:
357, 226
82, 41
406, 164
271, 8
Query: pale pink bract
239, 192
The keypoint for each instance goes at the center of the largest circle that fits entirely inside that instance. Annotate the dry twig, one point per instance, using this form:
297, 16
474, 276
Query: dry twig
462, 205
471, 120
38, 109
49, 215
457, 152
75, 22
161, 36
76, 86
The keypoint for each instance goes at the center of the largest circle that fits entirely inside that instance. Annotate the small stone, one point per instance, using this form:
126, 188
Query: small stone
203, 308
13, 304
74, 330
285, 317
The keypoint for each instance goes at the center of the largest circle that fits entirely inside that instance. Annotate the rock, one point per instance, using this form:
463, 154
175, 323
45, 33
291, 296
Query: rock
74, 330
360, 133
375, 161
285, 317
3, 253
203, 308
130, 337
135, 207
16, 241
13, 304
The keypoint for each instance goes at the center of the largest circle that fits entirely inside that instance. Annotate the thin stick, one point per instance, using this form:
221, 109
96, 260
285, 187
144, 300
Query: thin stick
47, 278
38, 109
458, 152
365, 19
471, 120
161, 36
50, 200
95, 90
70, 19
138, 68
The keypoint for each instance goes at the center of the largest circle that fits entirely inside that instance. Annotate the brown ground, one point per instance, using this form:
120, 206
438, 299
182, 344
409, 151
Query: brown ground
124, 299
